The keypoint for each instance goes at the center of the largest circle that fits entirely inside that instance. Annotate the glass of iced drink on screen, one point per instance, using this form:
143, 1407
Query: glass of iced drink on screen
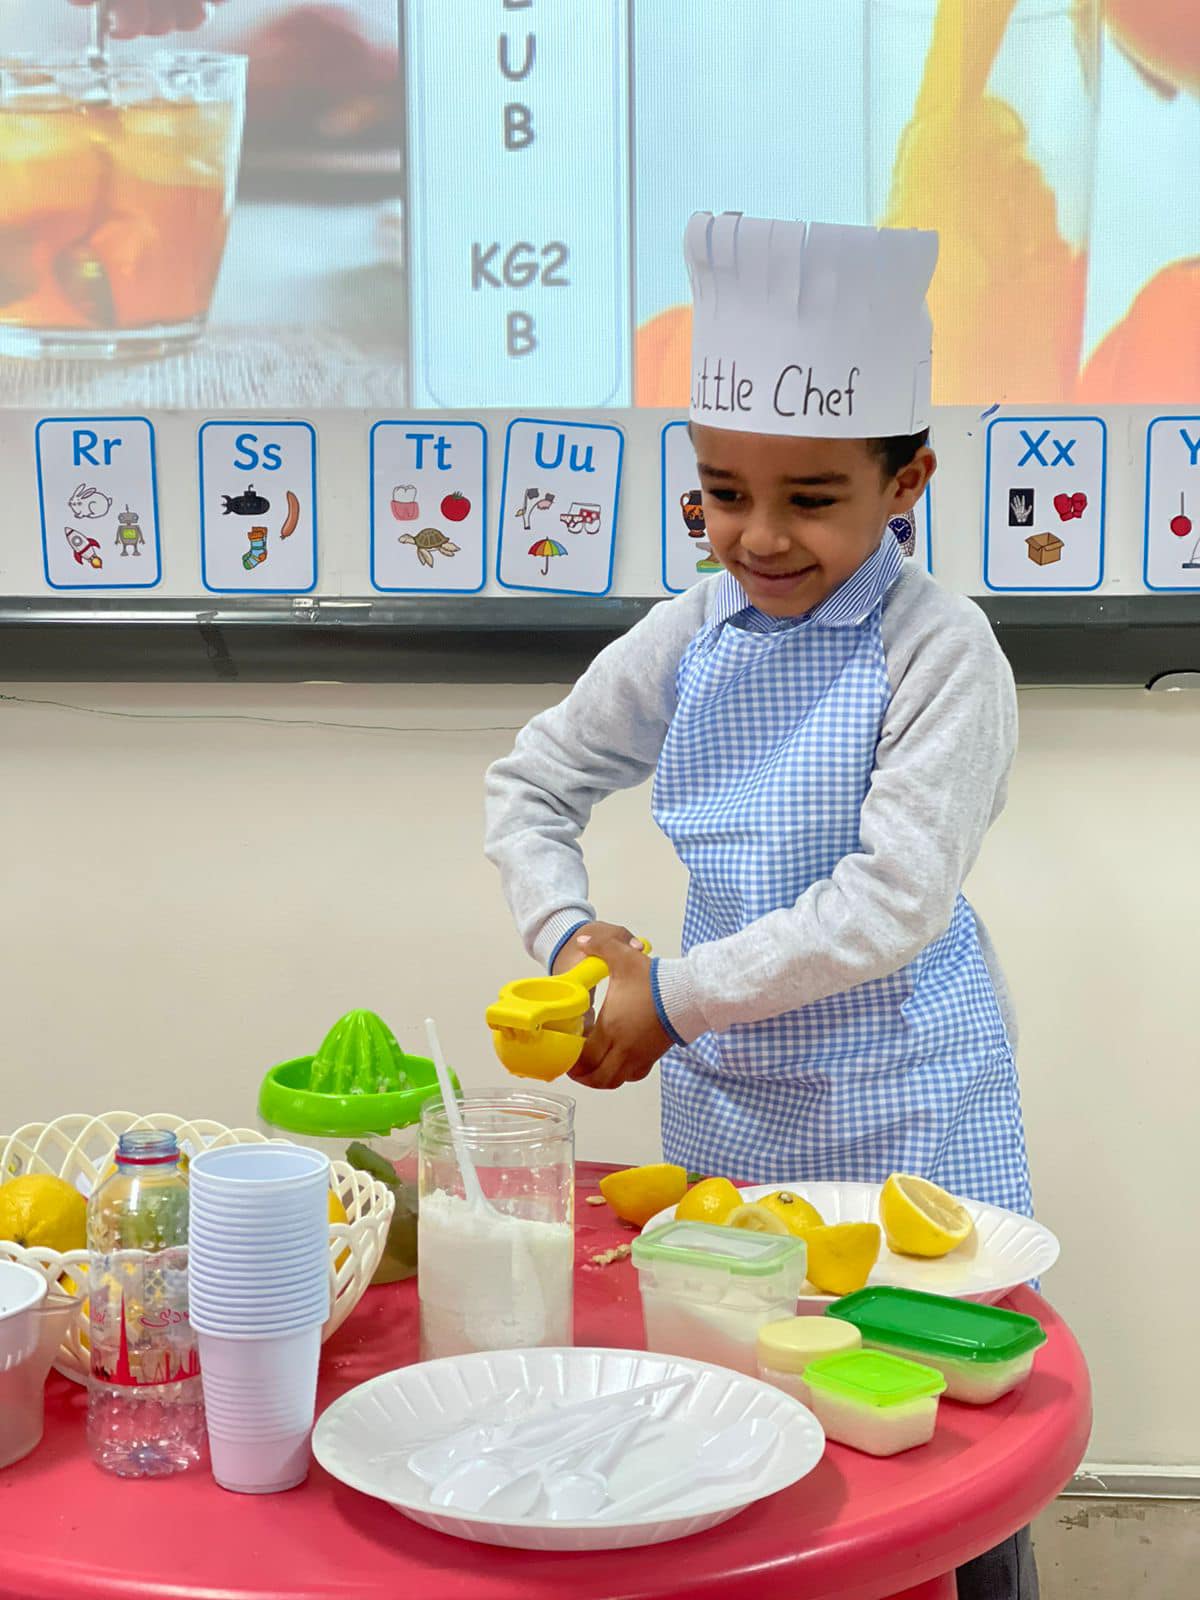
116, 186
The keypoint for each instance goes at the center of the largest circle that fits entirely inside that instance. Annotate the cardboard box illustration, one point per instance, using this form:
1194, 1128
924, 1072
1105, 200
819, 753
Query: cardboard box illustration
1044, 548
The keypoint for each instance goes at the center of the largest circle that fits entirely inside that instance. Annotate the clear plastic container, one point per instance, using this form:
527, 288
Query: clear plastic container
983, 1352
145, 1403
785, 1350
876, 1403
706, 1291
501, 1278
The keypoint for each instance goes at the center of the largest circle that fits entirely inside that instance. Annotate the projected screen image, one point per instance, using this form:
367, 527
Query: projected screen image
465, 203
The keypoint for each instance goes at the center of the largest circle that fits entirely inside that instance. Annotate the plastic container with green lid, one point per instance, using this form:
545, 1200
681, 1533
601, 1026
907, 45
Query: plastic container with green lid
359, 1099
706, 1291
785, 1350
983, 1352
880, 1404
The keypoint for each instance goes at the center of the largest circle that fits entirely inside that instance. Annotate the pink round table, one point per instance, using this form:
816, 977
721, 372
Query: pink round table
855, 1529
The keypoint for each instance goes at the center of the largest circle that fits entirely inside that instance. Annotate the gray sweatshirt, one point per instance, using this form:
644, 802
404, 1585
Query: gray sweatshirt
939, 782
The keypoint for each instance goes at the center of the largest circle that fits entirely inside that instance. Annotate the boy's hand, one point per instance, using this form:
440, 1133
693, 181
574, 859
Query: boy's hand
628, 1038
584, 943
578, 946
131, 18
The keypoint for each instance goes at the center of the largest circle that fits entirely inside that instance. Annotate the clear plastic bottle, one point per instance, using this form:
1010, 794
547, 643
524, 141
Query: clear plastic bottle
145, 1405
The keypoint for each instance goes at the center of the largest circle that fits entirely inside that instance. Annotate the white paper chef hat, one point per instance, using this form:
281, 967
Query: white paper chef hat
809, 327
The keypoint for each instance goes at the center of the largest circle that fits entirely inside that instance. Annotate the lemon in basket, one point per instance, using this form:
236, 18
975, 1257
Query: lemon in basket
41, 1211
337, 1213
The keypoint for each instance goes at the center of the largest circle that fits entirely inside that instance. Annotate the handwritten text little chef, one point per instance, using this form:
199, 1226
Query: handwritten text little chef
723, 391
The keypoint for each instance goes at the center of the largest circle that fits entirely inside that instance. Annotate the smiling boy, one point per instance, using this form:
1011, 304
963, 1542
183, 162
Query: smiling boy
830, 735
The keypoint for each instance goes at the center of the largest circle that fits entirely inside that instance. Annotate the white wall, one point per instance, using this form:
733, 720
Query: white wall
198, 881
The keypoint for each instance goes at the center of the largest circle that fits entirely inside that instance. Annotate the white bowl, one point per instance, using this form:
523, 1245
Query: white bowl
1005, 1251
79, 1148
22, 1291
356, 1435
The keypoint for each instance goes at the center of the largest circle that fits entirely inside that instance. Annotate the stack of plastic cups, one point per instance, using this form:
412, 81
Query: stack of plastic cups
258, 1293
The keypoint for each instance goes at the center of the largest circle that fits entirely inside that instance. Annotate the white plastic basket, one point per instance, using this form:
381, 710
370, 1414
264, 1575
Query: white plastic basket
79, 1148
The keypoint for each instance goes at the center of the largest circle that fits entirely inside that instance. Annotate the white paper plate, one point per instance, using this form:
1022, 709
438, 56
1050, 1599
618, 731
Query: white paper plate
1006, 1250
356, 1435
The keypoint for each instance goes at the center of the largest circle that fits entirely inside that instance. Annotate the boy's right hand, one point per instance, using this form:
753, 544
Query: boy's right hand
572, 953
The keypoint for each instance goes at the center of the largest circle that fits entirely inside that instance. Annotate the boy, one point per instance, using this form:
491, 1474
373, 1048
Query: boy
830, 736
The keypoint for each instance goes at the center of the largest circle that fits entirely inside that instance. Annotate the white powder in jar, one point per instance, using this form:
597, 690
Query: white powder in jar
491, 1281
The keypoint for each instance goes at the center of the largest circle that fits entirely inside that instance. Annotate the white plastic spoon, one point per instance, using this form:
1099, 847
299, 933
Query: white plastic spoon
508, 1482
432, 1455
472, 1188
582, 1492
732, 1452
528, 1301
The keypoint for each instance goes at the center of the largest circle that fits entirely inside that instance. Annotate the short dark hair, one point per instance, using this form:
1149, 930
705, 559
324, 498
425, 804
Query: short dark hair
895, 453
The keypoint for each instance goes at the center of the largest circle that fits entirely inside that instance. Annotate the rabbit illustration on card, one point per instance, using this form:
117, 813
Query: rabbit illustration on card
85, 502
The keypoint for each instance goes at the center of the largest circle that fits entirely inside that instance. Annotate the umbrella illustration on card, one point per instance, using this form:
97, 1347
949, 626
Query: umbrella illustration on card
545, 551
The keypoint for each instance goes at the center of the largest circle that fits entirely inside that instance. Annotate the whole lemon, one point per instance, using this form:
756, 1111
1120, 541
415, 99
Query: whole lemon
713, 1201
795, 1212
41, 1210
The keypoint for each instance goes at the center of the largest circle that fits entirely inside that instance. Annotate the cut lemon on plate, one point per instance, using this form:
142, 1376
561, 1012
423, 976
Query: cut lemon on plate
793, 1210
920, 1219
756, 1218
840, 1257
714, 1201
639, 1193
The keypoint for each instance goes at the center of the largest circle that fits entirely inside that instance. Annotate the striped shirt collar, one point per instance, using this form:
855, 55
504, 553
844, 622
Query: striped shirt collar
851, 603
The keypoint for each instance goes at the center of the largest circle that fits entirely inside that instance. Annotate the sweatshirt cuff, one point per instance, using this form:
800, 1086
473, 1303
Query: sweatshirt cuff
555, 932
675, 1000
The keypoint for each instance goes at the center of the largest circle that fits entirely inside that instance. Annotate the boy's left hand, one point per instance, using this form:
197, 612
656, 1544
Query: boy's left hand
628, 1038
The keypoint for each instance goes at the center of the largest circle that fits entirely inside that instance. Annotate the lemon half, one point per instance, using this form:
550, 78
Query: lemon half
920, 1219
639, 1193
756, 1218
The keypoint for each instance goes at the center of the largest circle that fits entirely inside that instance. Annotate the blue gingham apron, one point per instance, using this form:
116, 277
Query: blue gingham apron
759, 787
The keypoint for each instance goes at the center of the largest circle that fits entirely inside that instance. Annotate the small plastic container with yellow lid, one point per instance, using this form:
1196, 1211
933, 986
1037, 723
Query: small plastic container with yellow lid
873, 1402
786, 1348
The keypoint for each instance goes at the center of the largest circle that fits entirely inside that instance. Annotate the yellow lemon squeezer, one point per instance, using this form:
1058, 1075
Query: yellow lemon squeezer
537, 1023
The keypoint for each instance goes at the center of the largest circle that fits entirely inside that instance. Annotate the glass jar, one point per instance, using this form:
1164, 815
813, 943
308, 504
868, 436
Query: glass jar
981, 123
502, 1277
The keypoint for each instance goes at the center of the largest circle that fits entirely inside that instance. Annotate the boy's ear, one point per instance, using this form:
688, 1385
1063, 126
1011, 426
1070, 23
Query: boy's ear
912, 480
